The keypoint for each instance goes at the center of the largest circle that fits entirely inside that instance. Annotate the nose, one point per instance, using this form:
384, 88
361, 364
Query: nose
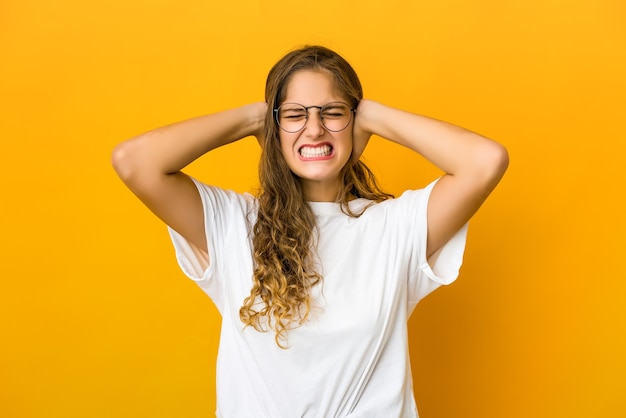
314, 126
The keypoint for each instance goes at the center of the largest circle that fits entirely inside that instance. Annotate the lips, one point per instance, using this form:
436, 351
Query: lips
319, 151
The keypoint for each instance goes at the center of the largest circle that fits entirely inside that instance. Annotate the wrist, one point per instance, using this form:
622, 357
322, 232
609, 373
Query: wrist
366, 114
255, 117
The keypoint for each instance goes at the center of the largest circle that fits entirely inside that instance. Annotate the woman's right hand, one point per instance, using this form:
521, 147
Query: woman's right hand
259, 110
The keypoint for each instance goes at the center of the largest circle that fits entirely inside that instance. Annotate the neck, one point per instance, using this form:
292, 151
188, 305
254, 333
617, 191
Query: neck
320, 191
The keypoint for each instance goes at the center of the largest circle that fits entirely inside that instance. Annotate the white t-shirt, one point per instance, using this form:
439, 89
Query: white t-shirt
350, 359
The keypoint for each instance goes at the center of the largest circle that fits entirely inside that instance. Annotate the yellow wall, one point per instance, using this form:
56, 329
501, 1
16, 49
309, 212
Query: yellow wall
97, 321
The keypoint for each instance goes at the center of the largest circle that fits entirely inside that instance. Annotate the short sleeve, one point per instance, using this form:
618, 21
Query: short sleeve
226, 222
444, 265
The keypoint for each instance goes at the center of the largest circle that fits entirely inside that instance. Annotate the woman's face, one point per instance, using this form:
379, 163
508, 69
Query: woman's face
315, 154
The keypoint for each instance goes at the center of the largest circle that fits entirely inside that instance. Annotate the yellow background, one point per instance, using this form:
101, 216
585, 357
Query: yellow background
96, 320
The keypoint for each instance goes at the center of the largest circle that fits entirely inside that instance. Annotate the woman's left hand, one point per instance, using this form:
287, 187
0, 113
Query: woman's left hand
360, 134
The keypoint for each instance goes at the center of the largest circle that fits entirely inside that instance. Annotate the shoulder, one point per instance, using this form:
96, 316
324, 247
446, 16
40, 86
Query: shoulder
409, 200
416, 195
216, 192
215, 198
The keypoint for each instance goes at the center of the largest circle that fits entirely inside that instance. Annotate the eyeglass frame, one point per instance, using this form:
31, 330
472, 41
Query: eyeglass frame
306, 109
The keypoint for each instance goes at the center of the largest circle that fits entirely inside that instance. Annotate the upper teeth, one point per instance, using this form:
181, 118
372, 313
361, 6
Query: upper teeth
320, 151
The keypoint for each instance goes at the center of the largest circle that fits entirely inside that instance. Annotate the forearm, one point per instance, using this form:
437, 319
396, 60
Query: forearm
453, 149
170, 148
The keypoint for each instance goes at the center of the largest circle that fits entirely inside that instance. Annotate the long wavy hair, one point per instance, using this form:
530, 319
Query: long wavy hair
285, 234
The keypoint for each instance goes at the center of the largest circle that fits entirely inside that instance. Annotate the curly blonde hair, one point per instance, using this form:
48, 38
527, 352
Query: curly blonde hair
284, 233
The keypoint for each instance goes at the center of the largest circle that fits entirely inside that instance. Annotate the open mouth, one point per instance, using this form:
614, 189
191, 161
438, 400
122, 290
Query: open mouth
316, 152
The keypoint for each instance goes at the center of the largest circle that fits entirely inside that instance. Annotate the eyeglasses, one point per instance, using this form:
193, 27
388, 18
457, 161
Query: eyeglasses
292, 117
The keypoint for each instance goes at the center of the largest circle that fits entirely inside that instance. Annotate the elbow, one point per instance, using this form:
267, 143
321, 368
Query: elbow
123, 161
500, 159
119, 159
493, 162
136, 163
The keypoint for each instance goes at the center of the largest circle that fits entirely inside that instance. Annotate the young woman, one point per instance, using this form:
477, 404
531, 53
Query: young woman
316, 277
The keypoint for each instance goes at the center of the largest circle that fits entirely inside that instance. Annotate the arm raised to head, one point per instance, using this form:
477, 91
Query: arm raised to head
473, 165
150, 165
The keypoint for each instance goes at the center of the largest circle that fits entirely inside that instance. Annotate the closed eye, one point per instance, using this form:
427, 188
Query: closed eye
294, 116
334, 114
